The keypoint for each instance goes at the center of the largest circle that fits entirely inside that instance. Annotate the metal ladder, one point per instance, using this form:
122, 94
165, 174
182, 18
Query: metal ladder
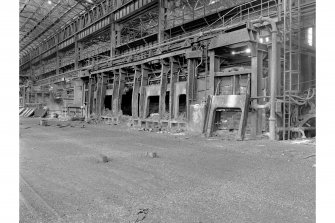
292, 49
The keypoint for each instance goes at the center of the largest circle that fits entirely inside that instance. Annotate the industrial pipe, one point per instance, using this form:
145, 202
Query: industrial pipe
201, 33
258, 106
273, 74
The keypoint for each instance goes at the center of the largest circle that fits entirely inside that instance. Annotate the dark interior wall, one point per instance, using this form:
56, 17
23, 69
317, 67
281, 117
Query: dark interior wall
227, 119
126, 102
182, 103
108, 102
307, 74
153, 103
167, 99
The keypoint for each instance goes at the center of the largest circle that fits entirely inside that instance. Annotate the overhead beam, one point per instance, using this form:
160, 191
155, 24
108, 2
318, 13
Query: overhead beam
42, 20
24, 24
25, 4
49, 27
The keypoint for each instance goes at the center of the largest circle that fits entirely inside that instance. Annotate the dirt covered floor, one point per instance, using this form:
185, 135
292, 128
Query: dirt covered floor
101, 173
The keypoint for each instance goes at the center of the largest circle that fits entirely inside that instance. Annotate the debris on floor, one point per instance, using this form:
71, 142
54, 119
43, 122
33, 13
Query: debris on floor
313, 155
104, 158
107, 112
142, 214
94, 119
154, 116
53, 115
77, 118
63, 125
178, 134
44, 123
310, 141
166, 116
40, 113
152, 154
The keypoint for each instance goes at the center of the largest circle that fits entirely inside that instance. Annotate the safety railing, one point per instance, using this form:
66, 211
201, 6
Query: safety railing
238, 14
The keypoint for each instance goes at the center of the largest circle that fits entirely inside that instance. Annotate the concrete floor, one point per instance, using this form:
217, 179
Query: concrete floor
62, 177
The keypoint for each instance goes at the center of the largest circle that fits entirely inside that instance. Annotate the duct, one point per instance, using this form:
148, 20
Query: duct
273, 74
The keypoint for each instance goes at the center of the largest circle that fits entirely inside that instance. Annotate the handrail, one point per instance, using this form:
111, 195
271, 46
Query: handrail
189, 34
209, 28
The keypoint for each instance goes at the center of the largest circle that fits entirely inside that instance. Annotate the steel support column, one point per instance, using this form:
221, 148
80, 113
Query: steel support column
161, 19
122, 76
102, 90
115, 37
256, 78
136, 91
76, 51
163, 87
144, 82
98, 98
214, 66
273, 89
173, 80
191, 85
115, 106
57, 60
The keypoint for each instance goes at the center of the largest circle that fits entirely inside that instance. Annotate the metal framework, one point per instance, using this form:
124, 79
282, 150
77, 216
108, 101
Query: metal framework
166, 46
292, 57
139, 27
39, 20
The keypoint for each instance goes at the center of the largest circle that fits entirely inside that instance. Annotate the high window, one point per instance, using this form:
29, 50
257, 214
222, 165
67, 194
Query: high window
310, 36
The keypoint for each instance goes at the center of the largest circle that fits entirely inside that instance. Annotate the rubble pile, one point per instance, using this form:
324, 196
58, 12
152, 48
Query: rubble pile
181, 116
107, 112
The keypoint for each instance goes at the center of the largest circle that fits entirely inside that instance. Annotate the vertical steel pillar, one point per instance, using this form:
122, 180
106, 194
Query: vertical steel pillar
24, 96
214, 66
260, 112
191, 79
90, 95
122, 77
163, 87
273, 89
144, 82
98, 93
113, 36
173, 80
57, 58
76, 51
136, 91
256, 81
103, 92
115, 91
161, 19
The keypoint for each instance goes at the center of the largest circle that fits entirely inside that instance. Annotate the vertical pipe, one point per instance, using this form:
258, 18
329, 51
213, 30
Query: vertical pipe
284, 72
206, 70
273, 75
273, 84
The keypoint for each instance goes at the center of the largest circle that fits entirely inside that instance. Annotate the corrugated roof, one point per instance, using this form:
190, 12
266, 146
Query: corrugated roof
40, 19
